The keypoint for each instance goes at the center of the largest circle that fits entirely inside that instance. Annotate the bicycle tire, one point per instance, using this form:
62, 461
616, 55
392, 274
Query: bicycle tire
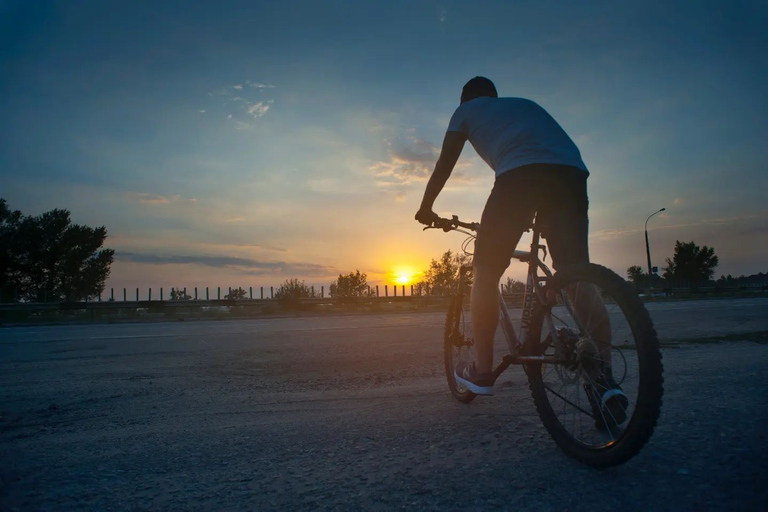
623, 444
455, 337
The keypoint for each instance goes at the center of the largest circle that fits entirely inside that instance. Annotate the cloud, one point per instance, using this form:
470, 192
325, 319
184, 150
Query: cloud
247, 265
146, 198
244, 101
608, 234
410, 160
257, 85
259, 108
443, 15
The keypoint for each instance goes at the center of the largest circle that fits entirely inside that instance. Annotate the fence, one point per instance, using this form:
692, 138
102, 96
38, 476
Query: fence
262, 300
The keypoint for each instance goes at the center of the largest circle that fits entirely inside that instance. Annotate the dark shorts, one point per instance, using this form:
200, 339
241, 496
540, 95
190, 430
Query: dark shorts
557, 193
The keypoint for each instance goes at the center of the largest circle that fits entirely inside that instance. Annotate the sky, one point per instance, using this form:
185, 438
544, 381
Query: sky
243, 143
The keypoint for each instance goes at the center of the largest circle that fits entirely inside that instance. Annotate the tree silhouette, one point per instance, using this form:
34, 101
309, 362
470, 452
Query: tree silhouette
236, 294
691, 264
442, 277
292, 290
514, 286
179, 294
636, 276
47, 258
354, 284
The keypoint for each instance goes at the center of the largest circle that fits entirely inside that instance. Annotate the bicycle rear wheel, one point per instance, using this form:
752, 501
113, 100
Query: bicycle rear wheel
606, 345
458, 343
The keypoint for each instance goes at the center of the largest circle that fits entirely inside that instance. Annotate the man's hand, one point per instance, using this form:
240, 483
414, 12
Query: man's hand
427, 217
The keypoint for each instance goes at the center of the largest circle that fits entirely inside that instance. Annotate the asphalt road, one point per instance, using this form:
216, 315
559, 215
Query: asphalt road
352, 413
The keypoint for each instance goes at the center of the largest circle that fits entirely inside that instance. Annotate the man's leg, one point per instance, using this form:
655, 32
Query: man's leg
485, 314
506, 215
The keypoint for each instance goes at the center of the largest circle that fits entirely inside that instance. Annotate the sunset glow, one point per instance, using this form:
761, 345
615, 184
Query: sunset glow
405, 276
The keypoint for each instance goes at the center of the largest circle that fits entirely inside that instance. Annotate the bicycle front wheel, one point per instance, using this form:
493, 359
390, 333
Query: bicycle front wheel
601, 400
458, 343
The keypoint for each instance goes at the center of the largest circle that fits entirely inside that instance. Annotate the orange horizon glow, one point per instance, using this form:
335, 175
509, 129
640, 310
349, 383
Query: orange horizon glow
404, 275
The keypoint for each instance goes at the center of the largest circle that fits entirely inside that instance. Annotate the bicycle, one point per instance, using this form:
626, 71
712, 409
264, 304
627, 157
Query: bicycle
562, 346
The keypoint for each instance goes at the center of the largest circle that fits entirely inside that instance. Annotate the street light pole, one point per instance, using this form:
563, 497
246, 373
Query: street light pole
647, 246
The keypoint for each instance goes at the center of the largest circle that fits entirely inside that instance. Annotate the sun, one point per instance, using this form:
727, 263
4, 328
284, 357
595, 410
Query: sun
404, 275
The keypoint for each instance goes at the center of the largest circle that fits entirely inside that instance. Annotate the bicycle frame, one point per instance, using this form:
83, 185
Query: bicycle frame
533, 292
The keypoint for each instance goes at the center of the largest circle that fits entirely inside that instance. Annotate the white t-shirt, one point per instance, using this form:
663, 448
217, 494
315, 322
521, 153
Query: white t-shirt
511, 132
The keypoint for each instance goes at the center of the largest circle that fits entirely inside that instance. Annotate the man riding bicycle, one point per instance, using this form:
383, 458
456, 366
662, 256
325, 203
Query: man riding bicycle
539, 171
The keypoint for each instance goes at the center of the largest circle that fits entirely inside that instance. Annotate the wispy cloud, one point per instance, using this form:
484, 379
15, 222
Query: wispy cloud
246, 99
410, 160
258, 85
147, 198
607, 234
246, 265
443, 15
259, 108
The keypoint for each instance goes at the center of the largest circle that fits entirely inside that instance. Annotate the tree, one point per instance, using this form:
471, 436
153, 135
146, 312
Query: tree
236, 294
513, 286
10, 276
691, 264
636, 276
354, 284
47, 258
292, 290
442, 277
179, 294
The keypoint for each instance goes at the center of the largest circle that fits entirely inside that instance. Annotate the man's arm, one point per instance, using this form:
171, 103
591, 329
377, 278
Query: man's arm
453, 143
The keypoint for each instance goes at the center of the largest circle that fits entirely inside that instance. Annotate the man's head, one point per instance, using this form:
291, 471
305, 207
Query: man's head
477, 87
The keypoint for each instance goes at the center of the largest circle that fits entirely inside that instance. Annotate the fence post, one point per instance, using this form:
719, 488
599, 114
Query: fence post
404, 291
394, 290
411, 290
218, 293
386, 290
313, 292
149, 295
195, 292
262, 292
322, 292
206, 293
377, 290
112, 294
250, 292
161, 294
185, 293
137, 295
501, 288
271, 292
124, 297
230, 292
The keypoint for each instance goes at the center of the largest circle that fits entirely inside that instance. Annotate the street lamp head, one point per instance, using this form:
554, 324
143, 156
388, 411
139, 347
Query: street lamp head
663, 210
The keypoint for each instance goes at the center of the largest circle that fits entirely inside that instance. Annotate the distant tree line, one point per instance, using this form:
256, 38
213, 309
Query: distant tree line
690, 266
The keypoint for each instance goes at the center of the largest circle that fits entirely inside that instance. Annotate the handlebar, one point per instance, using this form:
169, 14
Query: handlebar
453, 223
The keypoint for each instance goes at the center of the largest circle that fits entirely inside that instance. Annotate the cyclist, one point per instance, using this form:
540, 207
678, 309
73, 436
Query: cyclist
538, 169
